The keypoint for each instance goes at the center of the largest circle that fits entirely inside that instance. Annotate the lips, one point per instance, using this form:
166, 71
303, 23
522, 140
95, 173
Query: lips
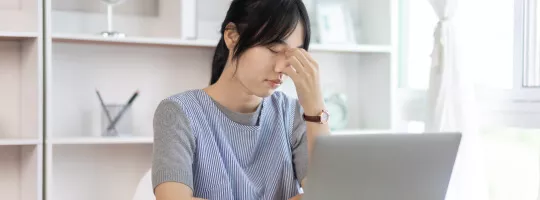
276, 81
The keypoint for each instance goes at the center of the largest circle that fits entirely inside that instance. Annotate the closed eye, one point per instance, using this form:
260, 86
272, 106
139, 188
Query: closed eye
273, 51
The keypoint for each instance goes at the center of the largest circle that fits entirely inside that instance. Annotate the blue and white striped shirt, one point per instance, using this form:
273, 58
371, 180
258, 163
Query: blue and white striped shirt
199, 143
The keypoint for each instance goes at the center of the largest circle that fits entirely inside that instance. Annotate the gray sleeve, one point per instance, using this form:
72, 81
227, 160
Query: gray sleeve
174, 145
299, 141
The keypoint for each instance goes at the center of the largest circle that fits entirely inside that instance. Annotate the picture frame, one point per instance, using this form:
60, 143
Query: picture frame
335, 24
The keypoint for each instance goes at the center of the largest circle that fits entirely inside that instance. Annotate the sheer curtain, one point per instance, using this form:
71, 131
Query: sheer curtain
451, 104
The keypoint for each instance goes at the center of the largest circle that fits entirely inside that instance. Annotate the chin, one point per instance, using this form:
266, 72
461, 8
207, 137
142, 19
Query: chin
263, 92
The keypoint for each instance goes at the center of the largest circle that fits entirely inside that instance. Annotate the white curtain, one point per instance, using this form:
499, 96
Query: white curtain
451, 105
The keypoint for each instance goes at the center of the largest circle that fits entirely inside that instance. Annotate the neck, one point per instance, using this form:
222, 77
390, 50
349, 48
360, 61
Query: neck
230, 93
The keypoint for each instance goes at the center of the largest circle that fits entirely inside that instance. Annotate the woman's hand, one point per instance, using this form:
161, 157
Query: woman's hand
304, 72
297, 197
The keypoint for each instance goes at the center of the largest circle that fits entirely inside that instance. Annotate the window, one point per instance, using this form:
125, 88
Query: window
418, 25
503, 50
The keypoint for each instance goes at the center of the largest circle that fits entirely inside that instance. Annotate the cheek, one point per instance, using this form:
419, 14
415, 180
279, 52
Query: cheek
256, 62
261, 57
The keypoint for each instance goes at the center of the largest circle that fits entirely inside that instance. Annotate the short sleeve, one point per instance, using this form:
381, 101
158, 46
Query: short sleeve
299, 144
174, 145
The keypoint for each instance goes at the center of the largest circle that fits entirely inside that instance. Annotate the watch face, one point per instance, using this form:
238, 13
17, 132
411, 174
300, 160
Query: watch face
324, 117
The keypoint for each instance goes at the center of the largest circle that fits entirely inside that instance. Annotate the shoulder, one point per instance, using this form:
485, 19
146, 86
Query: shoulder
179, 100
184, 97
176, 107
171, 120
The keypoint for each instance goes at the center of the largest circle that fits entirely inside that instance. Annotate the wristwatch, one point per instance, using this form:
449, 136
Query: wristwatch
321, 118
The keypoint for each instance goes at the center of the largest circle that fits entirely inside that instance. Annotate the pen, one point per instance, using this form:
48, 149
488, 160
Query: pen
123, 110
105, 108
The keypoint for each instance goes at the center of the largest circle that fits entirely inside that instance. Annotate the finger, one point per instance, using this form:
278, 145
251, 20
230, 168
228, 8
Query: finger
298, 66
298, 52
309, 57
290, 71
308, 66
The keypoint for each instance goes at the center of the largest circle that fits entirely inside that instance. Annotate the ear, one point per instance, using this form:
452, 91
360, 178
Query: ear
231, 36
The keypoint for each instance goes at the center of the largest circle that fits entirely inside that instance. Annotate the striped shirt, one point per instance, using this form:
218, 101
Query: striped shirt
222, 154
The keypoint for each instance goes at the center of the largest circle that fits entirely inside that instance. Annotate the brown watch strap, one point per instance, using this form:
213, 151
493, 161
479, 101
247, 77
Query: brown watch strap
312, 118
321, 118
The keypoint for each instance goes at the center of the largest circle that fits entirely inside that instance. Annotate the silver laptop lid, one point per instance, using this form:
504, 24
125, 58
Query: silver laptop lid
382, 166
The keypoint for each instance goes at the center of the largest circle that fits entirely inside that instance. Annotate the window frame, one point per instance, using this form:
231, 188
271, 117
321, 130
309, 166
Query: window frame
526, 21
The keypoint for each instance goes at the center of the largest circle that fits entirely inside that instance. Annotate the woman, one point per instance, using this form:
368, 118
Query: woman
238, 138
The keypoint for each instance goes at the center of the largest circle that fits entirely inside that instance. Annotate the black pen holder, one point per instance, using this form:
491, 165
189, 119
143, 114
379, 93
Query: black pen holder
120, 121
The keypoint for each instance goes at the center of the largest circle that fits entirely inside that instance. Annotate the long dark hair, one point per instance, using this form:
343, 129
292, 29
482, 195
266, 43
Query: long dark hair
259, 23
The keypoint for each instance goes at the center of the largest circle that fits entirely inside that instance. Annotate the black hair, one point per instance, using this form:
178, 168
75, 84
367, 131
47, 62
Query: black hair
259, 23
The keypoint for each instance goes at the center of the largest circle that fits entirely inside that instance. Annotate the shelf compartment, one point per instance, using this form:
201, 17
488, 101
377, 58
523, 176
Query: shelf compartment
190, 19
20, 16
191, 23
89, 172
138, 18
20, 77
21, 172
117, 72
370, 21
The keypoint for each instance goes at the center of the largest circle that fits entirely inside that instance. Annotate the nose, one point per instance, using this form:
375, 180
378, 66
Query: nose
281, 64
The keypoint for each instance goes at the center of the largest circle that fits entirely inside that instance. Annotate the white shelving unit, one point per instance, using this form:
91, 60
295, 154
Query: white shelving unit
49, 77
21, 102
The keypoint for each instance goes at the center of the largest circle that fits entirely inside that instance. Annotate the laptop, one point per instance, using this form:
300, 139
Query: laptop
382, 166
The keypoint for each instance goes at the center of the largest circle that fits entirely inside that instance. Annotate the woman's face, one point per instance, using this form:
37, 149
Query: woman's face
260, 68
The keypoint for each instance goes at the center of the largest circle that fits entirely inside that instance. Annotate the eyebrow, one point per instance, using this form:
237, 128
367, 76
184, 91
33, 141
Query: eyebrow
283, 42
